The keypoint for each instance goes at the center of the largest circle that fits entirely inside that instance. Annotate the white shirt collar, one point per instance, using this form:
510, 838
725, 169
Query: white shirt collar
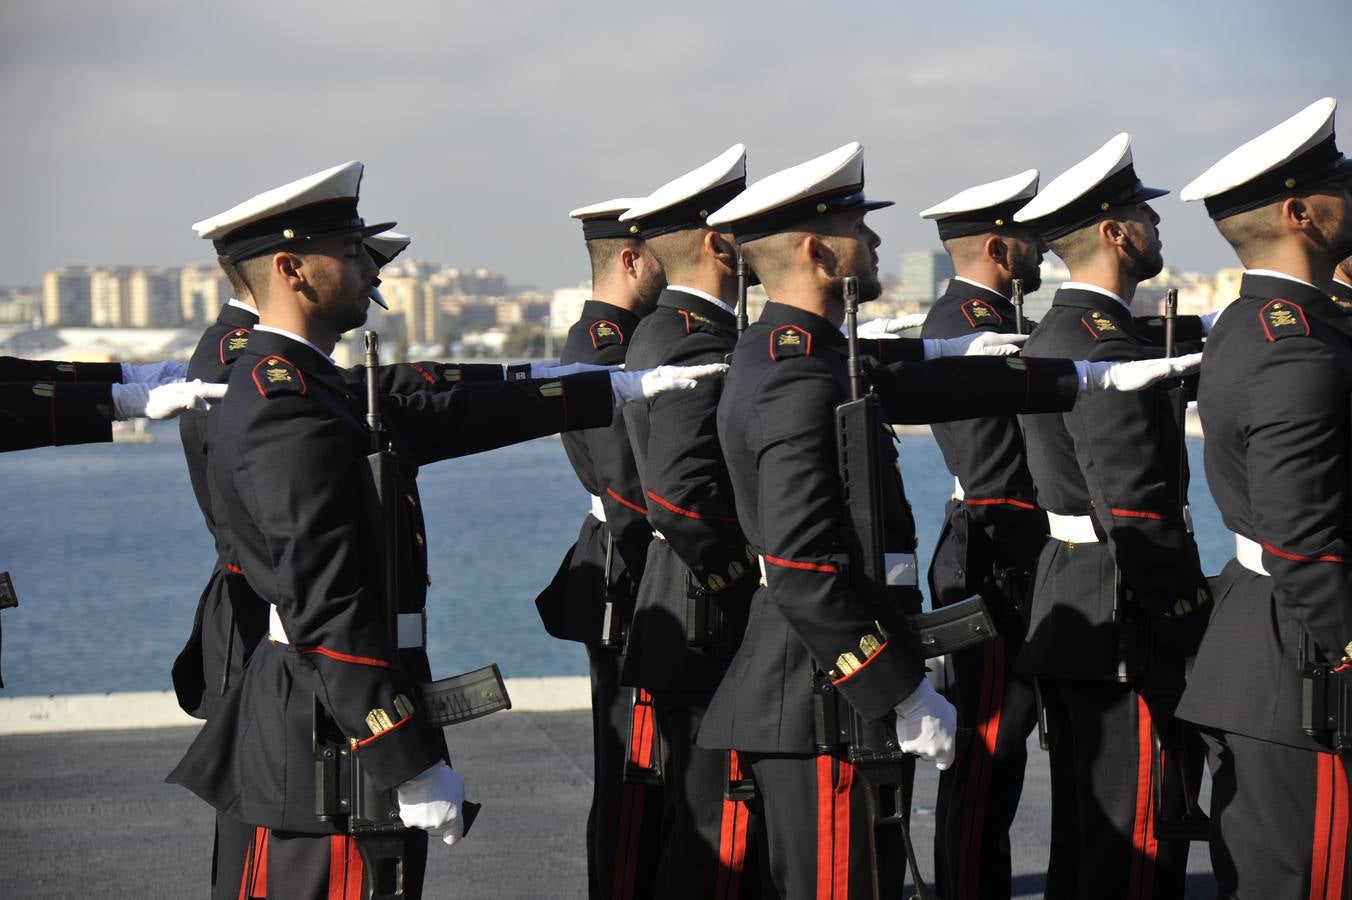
295, 337
703, 296
1273, 274
240, 304
986, 287
1085, 286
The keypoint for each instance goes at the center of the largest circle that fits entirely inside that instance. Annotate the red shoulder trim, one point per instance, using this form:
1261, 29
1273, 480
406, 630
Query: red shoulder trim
600, 337
788, 341
980, 313
230, 337
272, 361
1277, 320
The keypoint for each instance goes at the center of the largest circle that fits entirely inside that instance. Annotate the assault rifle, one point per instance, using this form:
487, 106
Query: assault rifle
872, 747
1016, 298
344, 792
741, 292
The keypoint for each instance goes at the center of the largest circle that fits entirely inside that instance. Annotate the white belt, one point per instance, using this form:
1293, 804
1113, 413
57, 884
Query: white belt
412, 629
597, 510
958, 492
1250, 555
900, 567
1072, 529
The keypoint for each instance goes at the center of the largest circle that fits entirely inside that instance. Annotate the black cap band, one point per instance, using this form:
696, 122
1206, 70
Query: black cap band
1321, 164
323, 219
607, 227
980, 221
784, 218
689, 213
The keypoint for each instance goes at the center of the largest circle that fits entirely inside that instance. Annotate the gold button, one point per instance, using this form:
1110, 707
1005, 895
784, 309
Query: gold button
633, 229
821, 207
1104, 206
1290, 182
999, 221
419, 539
704, 214
288, 234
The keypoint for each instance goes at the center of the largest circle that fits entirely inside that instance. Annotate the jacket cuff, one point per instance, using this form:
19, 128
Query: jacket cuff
588, 400
398, 754
82, 413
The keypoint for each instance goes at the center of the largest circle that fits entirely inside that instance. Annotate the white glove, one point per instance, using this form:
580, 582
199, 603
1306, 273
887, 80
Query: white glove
927, 725
154, 373
885, 328
986, 343
165, 401
648, 383
1209, 320
1133, 375
432, 801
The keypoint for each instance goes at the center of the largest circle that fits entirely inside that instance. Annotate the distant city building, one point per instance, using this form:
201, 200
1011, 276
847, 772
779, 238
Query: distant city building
65, 297
153, 298
110, 297
566, 307
203, 289
21, 306
924, 274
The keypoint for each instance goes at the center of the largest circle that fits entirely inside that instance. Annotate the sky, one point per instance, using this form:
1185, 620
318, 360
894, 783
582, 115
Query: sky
482, 124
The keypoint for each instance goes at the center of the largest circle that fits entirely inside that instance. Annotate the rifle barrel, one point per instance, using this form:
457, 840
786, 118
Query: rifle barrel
741, 293
1016, 298
850, 290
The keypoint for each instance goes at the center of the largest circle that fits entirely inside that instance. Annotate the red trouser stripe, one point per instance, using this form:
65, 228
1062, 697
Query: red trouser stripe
1330, 829
982, 763
833, 829
345, 869
1143, 842
731, 839
631, 798
255, 880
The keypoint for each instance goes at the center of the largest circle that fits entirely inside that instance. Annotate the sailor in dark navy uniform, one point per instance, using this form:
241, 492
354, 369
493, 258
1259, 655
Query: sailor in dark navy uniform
230, 618
285, 499
591, 598
992, 534
803, 232
1120, 597
1276, 402
698, 579
50, 402
1340, 291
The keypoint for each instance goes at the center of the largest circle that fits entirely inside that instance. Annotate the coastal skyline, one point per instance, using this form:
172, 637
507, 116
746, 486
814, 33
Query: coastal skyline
481, 127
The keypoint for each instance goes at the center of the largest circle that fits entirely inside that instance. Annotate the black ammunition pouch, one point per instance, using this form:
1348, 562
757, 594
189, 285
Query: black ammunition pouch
1325, 700
964, 564
715, 622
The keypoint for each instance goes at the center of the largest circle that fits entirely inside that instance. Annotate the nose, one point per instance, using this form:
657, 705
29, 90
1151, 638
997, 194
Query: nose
874, 240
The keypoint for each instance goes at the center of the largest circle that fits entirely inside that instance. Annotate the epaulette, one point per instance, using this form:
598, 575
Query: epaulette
275, 376
694, 321
1102, 327
788, 341
1282, 318
981, 314
233, 344
605, 333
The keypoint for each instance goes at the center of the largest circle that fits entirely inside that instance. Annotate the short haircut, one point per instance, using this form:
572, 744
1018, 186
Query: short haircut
1078, 247
604, 251
255, 272
237, 284
1251, 230
678, 251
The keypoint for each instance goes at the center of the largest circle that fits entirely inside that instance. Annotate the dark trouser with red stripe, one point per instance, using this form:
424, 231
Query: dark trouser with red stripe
979, 793
817, 830
1103, 790
625, 821
1279, 819
286, 866
710, 842
234, 841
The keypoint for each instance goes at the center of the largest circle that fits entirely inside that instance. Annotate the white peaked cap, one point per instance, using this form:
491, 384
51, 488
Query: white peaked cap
321, 204
1299, 152
827, 184
606, 209
1016, 187
686, 202
1079, 195
984, 207
387, 245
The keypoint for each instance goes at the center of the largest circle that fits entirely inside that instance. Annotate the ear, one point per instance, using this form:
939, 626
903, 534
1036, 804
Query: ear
628, 261
1111, 231
816, 253
289, 267
1295, 214
996, 250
